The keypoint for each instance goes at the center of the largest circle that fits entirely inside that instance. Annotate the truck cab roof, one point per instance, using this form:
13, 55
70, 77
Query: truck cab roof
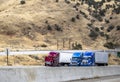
77, 54
88, 54
53, 54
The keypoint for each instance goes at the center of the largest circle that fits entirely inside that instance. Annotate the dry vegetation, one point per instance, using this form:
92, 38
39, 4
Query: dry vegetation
39, 23
113, 60
25, 60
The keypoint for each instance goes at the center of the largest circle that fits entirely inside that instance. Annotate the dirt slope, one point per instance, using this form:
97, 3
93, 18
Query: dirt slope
39, 23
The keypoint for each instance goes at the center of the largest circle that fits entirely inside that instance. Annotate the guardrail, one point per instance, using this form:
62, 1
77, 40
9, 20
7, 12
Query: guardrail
32, 52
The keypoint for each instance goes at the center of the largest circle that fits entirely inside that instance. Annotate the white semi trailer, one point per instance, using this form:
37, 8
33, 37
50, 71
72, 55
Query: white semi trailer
65, 58
101, 58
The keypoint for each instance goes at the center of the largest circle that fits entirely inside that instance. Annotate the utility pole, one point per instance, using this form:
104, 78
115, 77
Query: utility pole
69, 43
7, 53
63, 43
57, 44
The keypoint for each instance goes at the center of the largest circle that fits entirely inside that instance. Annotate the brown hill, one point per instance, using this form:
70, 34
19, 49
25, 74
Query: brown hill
94, 24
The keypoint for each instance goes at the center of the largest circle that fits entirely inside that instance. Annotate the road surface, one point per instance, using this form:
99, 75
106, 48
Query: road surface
99, 79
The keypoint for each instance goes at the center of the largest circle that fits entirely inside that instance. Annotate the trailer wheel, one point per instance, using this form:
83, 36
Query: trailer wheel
106, 64
96, 64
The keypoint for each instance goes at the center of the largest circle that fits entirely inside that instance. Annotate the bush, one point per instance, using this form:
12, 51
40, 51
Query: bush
57, 0
22, 2
110, 28
76, 46
107, 21
97, 16
66, 1
58, 28
102, 28
108, 0
77, 16
73, 19
97, 29
93, 34
109, 45
118, 27
107, 36
43, 45
49, 27
89, 24
102, 34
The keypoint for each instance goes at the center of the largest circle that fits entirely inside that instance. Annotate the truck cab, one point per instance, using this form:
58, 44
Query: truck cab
88, 59
52, 59
76, 59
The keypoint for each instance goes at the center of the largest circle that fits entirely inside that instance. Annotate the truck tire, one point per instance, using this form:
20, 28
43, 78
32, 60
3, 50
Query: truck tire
45, 64
106, 64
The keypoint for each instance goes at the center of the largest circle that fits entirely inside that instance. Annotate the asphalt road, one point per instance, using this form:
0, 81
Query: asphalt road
99, 79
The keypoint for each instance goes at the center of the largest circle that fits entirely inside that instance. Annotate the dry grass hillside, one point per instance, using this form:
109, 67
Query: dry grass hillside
25, 60
92, 24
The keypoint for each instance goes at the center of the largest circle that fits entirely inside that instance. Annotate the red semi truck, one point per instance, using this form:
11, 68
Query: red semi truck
58, 59
52, 59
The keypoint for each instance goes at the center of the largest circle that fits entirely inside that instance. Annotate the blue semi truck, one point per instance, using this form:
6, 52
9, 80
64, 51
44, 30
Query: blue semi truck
89, 59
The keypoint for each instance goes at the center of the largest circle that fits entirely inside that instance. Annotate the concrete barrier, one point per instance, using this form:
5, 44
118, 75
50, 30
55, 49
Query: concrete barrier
53, 74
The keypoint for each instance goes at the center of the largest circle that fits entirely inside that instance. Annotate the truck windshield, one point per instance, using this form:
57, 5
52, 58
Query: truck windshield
87, 58
75, 59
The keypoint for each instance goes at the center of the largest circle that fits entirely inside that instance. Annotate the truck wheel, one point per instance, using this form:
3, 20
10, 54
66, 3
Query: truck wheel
45, 64
65, 65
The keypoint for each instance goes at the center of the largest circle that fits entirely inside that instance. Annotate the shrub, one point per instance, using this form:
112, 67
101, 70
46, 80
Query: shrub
77, 16
110, 28
73, 19
76, 46
57, 0
58, 28
66, 1
118, 27
22, 1
110, 17
97, 29
102, 34
108, 0
102, 28
107, 21
93, 34
89, 24
107, 36
49, 27
97, 16
109, 45
43, 45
